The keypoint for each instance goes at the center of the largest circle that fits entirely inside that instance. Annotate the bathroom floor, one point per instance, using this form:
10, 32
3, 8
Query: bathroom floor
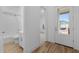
11, 47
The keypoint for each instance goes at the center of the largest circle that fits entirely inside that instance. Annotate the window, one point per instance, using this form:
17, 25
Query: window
63, 23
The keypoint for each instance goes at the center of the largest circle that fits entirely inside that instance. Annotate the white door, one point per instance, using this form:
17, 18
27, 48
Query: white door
43, 24
64, 26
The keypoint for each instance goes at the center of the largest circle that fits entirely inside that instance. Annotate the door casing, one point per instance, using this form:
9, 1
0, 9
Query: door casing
65, 39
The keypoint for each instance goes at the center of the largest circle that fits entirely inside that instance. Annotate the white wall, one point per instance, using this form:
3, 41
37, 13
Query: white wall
51, 20
76, 27
31, 28
8, 21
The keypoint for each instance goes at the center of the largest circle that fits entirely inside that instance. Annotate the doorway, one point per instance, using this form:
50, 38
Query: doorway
64, 26
43, 26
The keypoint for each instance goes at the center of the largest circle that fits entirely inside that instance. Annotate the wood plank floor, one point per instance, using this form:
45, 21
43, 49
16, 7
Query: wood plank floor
12, 48
49, 47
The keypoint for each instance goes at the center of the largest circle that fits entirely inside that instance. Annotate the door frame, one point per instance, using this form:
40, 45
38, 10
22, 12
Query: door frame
70, 26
